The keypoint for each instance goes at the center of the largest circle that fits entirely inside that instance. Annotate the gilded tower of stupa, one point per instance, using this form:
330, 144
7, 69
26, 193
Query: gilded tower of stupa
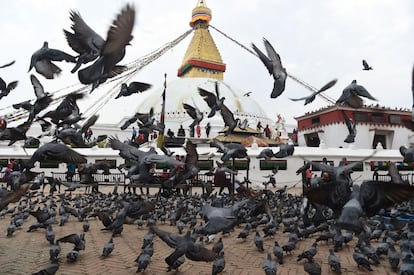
202, 58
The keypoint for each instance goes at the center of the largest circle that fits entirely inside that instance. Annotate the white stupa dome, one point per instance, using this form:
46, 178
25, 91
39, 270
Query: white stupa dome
185, 90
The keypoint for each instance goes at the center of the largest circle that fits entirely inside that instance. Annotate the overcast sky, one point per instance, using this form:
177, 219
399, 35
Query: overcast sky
317, 40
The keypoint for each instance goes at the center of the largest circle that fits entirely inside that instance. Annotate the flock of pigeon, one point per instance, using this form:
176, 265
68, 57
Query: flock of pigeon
332, 209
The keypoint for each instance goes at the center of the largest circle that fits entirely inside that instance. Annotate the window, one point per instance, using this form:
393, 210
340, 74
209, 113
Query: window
316, 120
272, 164
205, 164
378, 138
312, 140
238, 164
4, 162
111, 162
395, 119
361, 117
377, 117
49, 164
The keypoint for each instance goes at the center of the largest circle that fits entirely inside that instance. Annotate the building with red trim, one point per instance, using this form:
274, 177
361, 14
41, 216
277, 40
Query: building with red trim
376, 126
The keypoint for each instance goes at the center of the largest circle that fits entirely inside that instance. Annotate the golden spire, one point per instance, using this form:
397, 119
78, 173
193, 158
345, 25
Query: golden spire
202, 58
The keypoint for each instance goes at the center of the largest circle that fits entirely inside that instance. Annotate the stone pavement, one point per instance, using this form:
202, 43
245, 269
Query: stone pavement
28, 252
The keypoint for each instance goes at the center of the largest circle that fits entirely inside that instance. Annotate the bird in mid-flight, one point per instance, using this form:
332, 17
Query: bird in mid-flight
365, 65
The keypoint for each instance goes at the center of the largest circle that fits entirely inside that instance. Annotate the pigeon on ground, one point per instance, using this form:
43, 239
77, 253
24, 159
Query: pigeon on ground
269, 265
219, 264
274, 65
108, 248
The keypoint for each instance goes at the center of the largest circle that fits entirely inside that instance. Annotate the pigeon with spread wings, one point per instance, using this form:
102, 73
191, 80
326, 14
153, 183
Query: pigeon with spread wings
195, 114
214, 101
351, 95
365, 65
55, 151
228, 119
113, 51
351, 125
274, 66
132, 88
42, 59
311, 98
84, 40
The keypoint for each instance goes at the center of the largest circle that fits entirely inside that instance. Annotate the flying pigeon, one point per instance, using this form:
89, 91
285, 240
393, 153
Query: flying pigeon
365, 65
311, 98
274, 66
113, 51
42, 59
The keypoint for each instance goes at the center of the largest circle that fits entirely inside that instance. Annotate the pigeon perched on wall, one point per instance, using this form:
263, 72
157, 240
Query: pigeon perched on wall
274, 65
42, 59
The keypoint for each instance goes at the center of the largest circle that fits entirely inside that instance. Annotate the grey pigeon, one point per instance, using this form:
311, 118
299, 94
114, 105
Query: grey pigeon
258, 241
228, 119
274, 65
195, 113
285, 150
132, 88
50, 234
84, 40
407, 153
312, 268
230, 150
6, 88
214, 101
334, 262
365, 65
361, 261
351, 126
113, 51
269, 265
278, 252
219, 264
50, 269
108, 248
42, 59
57, 152
8, 64
311, 98
351, 95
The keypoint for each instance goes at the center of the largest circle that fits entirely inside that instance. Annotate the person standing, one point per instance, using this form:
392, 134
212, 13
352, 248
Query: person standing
198, 130
208, 129
267, 131
134, 134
